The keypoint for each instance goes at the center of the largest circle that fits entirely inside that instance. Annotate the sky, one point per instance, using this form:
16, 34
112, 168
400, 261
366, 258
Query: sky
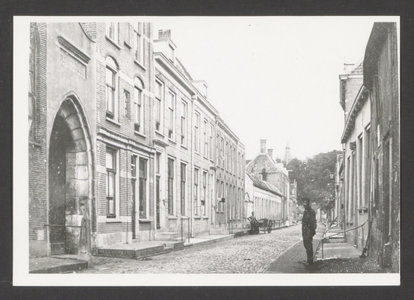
273, 78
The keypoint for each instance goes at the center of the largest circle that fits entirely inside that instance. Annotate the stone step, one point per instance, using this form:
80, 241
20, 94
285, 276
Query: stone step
165, 236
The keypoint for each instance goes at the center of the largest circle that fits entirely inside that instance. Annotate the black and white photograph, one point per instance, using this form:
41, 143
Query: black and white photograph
180, 151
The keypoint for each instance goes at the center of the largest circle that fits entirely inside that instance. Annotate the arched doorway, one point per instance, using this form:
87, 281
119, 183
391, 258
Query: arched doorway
70, 172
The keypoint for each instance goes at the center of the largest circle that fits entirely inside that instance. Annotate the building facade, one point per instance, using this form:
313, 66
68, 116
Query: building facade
381, 69
267, 169
122, 136
370, 170
267, 200
356, 141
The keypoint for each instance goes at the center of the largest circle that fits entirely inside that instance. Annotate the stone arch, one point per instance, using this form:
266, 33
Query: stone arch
70, 175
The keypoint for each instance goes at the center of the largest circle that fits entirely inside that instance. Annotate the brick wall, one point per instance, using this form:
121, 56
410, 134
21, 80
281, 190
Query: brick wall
37, 150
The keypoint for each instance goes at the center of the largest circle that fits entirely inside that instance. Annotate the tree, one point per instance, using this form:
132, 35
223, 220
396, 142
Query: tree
315, 177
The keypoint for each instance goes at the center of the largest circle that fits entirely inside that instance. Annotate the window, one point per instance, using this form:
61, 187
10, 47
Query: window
196, 133
204, 194
170, 186
205, 139
134, 178
127, 99
142, 188
158, 163
158, 104
110, 182
111, 74
138, 105
196, 192
222, 152
182, 188
211, 141
183, 123
171, 105
112, 31
222, 196
138, 42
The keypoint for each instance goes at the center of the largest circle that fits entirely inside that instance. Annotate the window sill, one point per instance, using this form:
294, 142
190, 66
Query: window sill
113, 42
183, 146
172, 141
113, 121
140, 134
159, 133
113, 220
145, 220
140, 65
172, 218
205, 157
197, 217
127, 44
184, 217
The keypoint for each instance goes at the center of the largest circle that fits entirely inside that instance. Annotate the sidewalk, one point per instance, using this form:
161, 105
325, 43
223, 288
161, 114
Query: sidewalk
335, 258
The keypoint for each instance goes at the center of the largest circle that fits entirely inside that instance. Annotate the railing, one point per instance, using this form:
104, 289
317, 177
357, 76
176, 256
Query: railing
327, 237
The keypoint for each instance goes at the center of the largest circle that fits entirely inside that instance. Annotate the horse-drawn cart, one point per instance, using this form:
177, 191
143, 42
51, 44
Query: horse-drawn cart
262, 224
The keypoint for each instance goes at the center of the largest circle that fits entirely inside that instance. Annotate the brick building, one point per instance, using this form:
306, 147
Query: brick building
120, 134
369, 171
381, 67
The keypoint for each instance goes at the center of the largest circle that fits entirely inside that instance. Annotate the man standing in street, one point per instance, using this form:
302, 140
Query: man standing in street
253, 222
308, 229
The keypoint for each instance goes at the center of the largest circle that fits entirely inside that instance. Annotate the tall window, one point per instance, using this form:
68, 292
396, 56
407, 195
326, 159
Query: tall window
158, 104
205, 139
138, 105
142, 188
211, 141
134, 177
204, 195
170, 186
139, 42
183, 123
127, 99
367, 164
222, 192
196, 133
182, 188
110, 182
222, 152
196, 192
171, 106
112, 31
111, 74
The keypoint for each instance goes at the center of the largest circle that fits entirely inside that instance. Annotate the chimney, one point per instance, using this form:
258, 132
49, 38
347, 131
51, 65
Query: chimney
270, 153
262, 146
164, 34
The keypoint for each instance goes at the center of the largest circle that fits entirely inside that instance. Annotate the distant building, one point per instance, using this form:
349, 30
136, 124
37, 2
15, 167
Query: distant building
288, 156
267, 169
267, 199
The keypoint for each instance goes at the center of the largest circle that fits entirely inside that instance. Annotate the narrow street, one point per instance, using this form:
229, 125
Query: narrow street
248, 254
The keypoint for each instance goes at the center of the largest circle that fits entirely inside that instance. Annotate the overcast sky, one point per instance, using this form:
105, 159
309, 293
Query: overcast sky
274, 78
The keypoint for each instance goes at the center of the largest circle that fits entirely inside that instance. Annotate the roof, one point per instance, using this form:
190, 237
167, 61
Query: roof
358, 70
90, 29
264, 185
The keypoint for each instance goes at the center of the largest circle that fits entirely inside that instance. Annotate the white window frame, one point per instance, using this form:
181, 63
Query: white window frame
139, 104
171, 109
206, 147
183, 213
138, 44
196, 187
138, 159
160, 99
184, 114
113, 34
112, 66
116, 199
197, 132
171, 210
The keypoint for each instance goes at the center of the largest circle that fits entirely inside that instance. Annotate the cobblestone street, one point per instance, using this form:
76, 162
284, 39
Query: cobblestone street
248, 254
